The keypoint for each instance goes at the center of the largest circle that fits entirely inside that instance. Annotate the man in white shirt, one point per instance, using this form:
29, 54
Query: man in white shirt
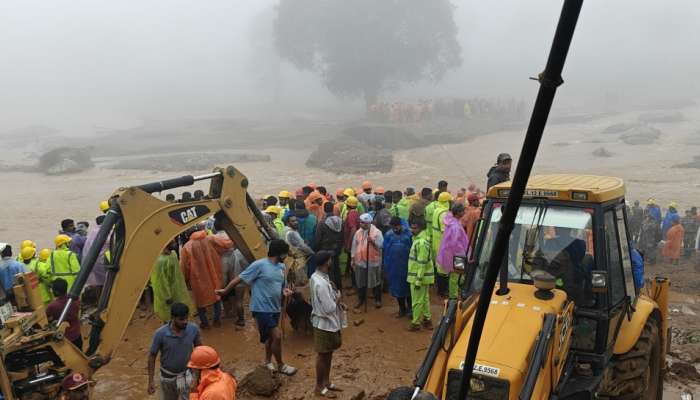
327, 319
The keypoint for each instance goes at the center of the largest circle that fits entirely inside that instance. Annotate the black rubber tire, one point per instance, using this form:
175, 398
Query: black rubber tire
637, 373
405, 393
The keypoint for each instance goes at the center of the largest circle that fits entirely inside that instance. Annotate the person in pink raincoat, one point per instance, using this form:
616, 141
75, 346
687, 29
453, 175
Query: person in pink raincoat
454, 243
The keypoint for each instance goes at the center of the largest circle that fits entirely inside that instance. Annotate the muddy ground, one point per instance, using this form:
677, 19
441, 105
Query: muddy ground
379, 354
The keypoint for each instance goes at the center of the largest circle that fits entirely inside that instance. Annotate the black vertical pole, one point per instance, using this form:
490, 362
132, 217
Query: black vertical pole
549, 80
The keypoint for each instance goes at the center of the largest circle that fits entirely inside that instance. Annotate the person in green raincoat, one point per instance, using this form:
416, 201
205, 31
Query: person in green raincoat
442, 207
420, 276
168, 284
32, 263
63, 263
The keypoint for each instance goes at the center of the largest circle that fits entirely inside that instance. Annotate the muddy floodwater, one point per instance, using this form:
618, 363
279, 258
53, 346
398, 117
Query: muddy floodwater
379, 354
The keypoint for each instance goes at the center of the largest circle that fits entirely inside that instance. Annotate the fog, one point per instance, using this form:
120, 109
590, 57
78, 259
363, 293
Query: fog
83, 65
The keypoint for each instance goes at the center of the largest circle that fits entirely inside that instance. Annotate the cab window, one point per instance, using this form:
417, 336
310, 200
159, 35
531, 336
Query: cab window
626, 260
616, 278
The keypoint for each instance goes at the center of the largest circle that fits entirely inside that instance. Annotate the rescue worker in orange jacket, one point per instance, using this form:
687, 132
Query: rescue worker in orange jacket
210, 382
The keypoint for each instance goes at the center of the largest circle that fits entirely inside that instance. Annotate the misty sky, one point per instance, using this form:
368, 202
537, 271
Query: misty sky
93, 64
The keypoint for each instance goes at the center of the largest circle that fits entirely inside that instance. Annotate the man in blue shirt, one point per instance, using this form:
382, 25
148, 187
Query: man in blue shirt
9, 267
267, 281
175, 342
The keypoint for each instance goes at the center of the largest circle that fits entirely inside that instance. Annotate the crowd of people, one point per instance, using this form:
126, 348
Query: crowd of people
398, 112
367, 240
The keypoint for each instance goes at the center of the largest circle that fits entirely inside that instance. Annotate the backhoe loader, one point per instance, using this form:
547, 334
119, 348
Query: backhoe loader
35, 356
566, 319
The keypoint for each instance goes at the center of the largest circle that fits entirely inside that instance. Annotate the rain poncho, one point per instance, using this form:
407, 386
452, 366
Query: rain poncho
168, 285
77, 243
674, 239
637, 268
366, 255
396, 249
98, 273
454, 243
668, 221
41, 269
201, 265
403, 207
307, 226
8, 269
350, 225
470, 219
655, 212
214, 384
438, 227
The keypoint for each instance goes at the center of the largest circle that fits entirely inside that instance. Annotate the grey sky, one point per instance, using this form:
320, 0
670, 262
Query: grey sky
112, 63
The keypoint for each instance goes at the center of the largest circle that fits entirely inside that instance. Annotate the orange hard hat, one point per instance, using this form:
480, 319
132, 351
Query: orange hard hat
366, 185
340, 192
203, 357
379, 190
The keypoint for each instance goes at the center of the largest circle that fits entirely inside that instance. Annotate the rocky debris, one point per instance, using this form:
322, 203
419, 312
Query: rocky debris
619, 128
662, 117
260, 382
641, 135
685, 371
692, 164
602, 152
682, 336
386, 136
344, 156
65, 160
186, 162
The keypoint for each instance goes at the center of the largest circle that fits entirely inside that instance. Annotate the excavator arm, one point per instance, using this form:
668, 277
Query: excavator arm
141, 226
137, 226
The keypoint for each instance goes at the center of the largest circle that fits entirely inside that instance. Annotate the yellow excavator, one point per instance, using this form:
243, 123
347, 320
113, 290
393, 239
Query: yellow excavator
570, 318
35, 356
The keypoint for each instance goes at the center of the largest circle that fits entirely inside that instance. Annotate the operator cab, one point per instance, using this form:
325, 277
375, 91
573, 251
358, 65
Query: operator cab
570, 229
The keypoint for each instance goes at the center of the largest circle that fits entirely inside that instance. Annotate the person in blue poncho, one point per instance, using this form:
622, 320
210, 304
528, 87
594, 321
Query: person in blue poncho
397, 245
668, 219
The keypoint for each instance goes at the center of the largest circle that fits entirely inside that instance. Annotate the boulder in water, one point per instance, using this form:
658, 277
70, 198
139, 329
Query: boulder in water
65, 160
641, 135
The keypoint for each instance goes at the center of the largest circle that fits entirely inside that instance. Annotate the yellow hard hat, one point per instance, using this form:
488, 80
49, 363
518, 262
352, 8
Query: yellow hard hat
673, 205
27, 243
651, 202
44, 254
60, 240
349, 192
272, 210
352, 201
104, 206
284, 195
27, 253
444, 197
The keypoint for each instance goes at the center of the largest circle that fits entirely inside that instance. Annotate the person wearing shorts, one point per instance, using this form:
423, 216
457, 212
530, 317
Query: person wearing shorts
267, 282
327, 320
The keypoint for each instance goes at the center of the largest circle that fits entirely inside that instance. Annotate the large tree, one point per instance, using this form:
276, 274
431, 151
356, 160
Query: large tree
365, 47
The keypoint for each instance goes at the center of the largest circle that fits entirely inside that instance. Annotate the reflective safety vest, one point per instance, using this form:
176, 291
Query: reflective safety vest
41, 269
64, 264
420, 260
279, 226
438, 226
429, 210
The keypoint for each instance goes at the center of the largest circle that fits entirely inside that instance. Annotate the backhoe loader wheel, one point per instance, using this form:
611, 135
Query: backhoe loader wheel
637, 373
405, 393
